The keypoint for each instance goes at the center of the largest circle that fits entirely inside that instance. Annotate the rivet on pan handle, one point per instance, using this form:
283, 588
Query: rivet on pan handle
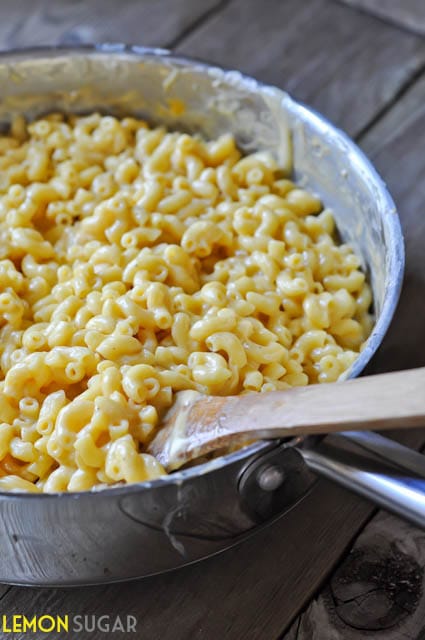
275, 481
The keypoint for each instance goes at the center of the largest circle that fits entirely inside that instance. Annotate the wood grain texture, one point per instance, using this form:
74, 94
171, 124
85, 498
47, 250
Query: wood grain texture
405, 13
350, 66
146, 22
377, 591
342, 62
396, 145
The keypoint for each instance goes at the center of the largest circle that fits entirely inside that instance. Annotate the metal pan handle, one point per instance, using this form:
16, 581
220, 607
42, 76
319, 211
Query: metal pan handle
380, 469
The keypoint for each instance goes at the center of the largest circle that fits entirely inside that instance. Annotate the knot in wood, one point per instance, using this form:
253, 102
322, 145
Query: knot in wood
376, 587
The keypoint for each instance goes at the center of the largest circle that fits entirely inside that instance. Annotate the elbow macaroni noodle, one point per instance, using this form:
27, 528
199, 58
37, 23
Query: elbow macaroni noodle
136, 262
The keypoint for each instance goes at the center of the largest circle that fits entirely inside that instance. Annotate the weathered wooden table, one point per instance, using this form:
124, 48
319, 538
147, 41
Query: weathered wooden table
362, 64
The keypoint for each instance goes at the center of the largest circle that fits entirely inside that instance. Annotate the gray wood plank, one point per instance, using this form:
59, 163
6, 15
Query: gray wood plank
346, 64
405, 13
396, 145
378, 589
146, 22
348, 67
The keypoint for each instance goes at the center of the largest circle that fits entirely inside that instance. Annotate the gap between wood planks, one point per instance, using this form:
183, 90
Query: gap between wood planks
197, 23
395, 143
335, 85
344, 63
386, 108
201, 40
408, 15
4, 590
151, 23
377, 588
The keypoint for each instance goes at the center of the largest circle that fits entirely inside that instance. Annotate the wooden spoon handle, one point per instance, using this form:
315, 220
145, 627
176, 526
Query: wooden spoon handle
385, 401
198, 424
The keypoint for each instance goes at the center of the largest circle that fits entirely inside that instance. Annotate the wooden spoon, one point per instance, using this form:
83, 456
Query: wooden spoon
197, 424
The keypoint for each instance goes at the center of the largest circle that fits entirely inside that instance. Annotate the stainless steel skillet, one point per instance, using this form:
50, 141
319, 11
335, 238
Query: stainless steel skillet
137, 530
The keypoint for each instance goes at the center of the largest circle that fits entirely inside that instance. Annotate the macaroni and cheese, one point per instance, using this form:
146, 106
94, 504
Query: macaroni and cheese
137, 262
